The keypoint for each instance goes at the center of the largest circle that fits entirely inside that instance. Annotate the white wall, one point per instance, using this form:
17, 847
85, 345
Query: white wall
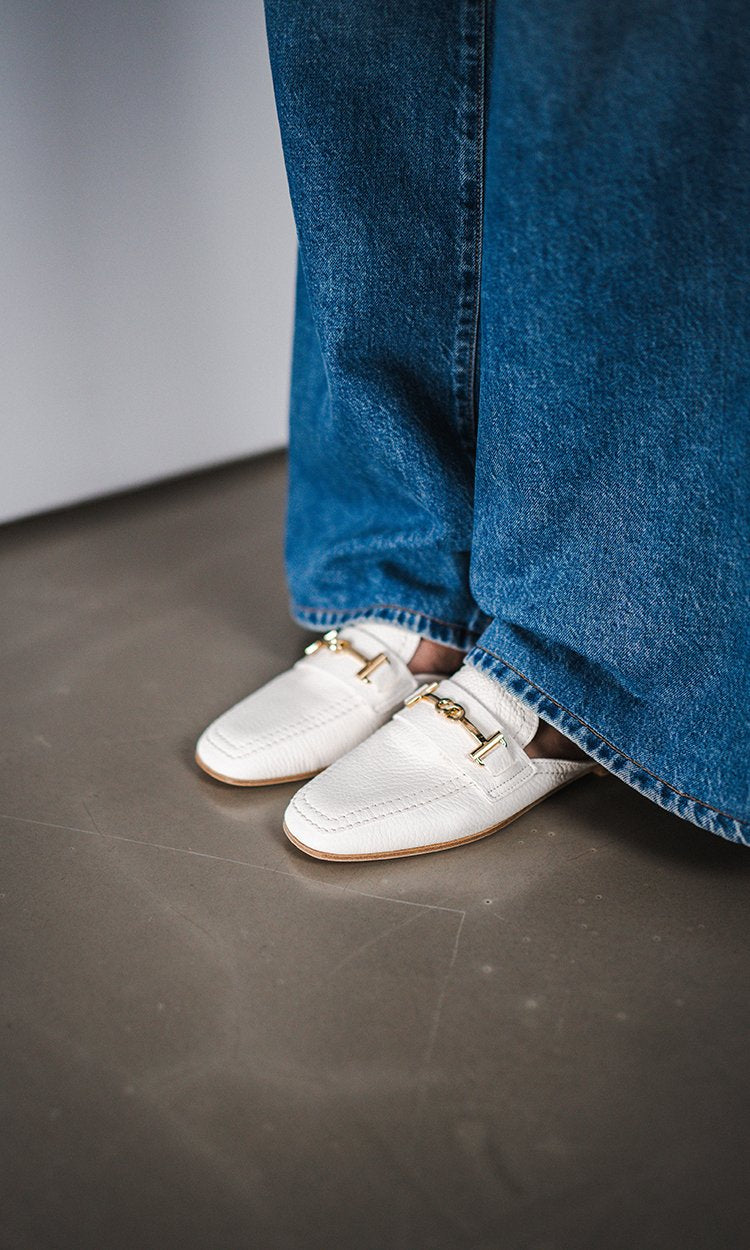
146, 242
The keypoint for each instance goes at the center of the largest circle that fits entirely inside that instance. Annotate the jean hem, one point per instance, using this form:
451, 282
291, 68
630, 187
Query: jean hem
655, 788
450, 633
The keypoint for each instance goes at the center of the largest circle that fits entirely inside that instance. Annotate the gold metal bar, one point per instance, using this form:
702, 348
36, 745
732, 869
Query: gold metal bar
334, 642
455, 712
421, 693
371, 666
488, 744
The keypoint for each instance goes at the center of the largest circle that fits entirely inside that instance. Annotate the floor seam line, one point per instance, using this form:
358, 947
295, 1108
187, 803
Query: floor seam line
223, 859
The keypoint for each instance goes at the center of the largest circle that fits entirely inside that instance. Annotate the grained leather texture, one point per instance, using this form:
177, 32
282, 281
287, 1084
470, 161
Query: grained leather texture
305, 718
412, 787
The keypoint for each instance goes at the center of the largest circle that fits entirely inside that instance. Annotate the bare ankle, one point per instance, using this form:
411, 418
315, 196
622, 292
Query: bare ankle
549, 744
435, 657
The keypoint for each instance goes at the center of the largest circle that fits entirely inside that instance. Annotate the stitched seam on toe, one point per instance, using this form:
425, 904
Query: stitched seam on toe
313, 720
344, 822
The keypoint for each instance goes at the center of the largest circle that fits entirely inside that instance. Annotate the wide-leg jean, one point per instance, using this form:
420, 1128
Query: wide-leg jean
520, 381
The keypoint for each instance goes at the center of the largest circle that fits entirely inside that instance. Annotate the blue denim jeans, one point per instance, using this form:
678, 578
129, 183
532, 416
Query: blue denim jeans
520, 375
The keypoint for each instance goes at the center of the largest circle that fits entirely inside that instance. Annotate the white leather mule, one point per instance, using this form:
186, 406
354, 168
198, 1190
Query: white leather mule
447, 769
348, 683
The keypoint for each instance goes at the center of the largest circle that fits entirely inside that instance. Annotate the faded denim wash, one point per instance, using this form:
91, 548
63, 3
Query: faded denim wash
553, 479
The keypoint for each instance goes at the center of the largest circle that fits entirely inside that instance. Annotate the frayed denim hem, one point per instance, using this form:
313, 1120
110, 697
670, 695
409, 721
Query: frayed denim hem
449, 633
606, 754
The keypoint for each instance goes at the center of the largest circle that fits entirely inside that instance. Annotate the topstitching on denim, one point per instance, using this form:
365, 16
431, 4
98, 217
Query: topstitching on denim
461, 636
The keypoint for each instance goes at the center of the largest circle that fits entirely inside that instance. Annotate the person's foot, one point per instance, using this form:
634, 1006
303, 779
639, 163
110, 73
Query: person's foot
450, 767
435, 657
346, 685
547, 743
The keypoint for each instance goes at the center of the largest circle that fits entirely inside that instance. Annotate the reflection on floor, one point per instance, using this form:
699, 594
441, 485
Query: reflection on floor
536, 1042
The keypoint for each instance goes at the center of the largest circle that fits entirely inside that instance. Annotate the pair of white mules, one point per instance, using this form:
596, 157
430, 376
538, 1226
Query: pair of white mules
400, 764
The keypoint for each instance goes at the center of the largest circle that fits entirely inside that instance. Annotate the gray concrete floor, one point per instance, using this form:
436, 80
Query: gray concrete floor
537, 1042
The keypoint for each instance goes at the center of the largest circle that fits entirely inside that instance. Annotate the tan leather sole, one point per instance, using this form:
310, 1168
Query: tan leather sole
270, 781
434, 846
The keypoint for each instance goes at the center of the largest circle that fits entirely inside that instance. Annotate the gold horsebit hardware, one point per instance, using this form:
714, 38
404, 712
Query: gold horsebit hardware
334, 642
454, 711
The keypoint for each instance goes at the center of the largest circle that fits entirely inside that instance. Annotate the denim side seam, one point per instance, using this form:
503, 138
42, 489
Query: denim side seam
607, 754
471, 120
449, 633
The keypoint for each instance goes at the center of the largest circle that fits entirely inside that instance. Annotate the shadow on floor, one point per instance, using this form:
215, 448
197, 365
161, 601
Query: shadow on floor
537, 1042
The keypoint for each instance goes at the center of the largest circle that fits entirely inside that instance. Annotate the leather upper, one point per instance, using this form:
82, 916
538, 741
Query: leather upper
413, 786
302, 720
